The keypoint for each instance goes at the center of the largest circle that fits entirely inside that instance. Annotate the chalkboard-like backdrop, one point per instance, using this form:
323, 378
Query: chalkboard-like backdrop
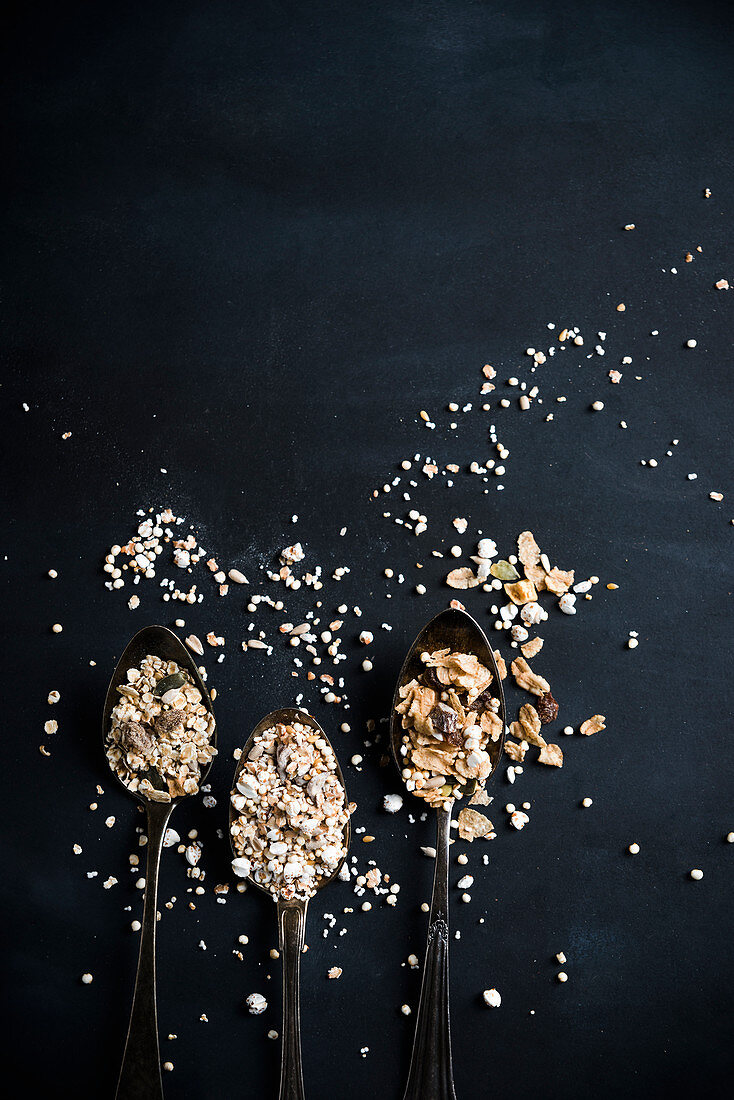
245, 245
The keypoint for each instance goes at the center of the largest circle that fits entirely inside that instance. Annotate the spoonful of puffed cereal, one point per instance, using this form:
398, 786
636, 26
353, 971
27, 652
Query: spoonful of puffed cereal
446, 733
160, 739
289, 827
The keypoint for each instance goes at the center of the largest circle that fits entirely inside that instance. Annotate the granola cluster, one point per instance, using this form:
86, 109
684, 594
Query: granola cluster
160, 733
451, 718
290, 832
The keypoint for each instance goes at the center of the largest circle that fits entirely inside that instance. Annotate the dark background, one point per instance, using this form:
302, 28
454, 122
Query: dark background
247, 243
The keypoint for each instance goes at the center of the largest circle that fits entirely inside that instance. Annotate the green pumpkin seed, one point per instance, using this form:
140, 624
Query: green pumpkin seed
469, 788
175, 680
504, 571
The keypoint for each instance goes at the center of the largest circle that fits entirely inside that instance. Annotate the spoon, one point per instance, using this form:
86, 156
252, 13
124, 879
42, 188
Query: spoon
431, 1075
291, 917
140, 1073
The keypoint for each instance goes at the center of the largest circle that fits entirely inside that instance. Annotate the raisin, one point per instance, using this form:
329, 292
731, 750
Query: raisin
430, 678
482, 701
547, 708
445, 722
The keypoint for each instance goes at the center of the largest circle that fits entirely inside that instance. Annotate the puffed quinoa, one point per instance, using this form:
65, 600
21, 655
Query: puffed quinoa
290, 834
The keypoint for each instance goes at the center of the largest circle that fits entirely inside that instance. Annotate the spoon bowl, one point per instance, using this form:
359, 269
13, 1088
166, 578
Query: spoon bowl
458, 631
291, 915
431, 1075
140, 1073
160, 642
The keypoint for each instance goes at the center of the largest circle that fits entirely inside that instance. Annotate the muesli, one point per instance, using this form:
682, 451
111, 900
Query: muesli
290, 832
451, 718
160, 726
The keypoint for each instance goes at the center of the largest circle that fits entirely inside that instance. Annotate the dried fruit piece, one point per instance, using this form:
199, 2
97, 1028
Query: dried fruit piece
528, 550
462, 578
527, 679
551, 754
504, 571
547, 708
593, 725
532, 648
473, 825
445, 722
175, 680
521, 592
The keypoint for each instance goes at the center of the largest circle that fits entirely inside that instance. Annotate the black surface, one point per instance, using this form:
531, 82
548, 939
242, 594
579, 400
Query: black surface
247, 244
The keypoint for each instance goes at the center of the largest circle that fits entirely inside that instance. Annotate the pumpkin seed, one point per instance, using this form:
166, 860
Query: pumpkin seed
175, 680
469, 788
504, 571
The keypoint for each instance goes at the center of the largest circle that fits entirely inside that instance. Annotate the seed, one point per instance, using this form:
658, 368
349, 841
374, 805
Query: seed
237, 577
633, 849
598, 406
562, 976
57, 628
696, 874
87, 979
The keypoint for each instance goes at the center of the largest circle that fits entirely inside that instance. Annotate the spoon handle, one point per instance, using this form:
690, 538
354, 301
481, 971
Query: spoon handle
140, 1074
291, 933
431, 1075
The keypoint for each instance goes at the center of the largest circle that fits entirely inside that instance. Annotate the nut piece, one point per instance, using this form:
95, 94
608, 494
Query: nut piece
136, 738
593, 725
521, 592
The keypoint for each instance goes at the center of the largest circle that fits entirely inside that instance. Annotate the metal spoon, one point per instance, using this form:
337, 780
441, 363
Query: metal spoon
431, 1075
291, 919
140, 1073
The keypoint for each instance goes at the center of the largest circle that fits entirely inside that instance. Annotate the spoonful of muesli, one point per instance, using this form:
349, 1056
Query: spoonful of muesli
446, 733
289, 826
160, 738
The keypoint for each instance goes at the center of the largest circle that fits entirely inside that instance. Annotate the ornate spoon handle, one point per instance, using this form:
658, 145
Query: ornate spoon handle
291, 932
140, 1074
431, 1075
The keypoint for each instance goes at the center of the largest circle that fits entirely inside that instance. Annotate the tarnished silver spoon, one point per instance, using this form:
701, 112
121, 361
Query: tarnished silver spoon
431, 1074
291, 917
140, 1073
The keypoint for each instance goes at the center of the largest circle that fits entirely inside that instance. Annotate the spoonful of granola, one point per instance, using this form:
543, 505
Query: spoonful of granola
160, 738
289, 826
446, 733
